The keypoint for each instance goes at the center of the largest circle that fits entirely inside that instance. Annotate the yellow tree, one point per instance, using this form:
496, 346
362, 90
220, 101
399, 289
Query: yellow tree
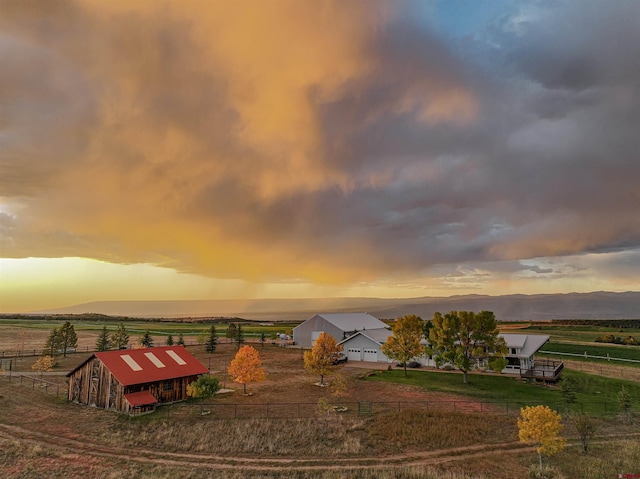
322, 357
541, 426
246, 367
405, 345
44, 363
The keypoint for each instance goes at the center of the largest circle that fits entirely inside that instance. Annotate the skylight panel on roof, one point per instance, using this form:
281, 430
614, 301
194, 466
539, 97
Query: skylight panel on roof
173, 355
154, 359
131, 362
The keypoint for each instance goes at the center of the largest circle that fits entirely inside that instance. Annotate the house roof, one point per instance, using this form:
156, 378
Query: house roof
353, 321
528, 344
138, 366
379, 336
141, 398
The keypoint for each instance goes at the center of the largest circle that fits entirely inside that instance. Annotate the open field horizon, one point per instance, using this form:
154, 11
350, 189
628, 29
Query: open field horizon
513, 307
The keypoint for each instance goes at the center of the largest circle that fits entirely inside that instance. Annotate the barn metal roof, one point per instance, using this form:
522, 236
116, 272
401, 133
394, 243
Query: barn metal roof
353, 321
141, 398
138, 366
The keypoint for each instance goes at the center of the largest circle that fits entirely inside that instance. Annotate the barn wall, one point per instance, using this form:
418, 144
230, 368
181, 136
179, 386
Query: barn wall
302, 334
94, 385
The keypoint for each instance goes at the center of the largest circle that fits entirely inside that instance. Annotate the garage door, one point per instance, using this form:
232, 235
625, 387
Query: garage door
371, 355
354, 354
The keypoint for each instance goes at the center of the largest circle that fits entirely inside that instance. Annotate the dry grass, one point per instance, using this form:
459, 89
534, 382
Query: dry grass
340, 446
421, 429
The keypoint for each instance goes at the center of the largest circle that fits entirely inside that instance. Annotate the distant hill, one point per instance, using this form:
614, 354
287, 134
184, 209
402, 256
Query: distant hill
514, 307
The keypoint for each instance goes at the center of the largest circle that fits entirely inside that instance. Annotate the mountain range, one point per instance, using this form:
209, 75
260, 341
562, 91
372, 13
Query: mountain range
513, 307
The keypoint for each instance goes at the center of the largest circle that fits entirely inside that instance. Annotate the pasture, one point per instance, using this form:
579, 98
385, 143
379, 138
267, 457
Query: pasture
41, 435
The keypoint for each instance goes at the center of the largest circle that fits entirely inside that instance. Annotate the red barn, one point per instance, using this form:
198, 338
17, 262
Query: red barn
134, 381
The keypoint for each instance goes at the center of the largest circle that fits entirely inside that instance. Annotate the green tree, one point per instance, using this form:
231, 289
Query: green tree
120, 337
239, 339
180, 339
67, 337
169, 341
103, 343
321, 358
569, 390
212, 340
465, 339
624, 400
405, 345
586, 427
146, 341
205, 387
52, 345
232, 332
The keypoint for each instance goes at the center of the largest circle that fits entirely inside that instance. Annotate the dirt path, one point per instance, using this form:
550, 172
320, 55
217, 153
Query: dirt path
211, 461
71, 447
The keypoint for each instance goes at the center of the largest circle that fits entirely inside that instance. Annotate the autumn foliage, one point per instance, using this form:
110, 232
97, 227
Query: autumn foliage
44, 363
246, 367
320, 360
541, 426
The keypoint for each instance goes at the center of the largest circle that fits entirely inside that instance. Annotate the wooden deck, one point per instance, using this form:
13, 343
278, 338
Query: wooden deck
545, 370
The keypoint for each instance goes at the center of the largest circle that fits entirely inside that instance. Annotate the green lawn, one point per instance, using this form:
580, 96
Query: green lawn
597, 395
596, 349
579, 333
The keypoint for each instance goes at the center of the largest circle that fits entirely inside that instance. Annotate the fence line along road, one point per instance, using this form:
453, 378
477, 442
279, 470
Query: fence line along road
587, 356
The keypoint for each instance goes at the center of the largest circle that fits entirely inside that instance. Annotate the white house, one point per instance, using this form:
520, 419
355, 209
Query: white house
338, 325
521, 349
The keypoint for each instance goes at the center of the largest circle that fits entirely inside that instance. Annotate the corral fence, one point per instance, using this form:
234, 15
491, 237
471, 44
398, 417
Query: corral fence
371, 408
302, 410
19, 353
36, 382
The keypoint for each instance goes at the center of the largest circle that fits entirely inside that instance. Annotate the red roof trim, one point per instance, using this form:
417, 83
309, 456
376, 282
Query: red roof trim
141, 398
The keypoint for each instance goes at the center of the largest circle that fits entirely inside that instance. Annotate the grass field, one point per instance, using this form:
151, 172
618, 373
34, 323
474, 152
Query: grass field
596, 349
596, 395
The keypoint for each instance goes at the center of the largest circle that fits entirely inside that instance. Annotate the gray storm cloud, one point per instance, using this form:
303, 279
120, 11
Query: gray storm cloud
331, 143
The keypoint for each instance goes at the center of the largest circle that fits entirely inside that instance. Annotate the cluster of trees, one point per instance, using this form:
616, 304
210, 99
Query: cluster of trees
236, 334
118, 339
610, 338
61, 340
461, 338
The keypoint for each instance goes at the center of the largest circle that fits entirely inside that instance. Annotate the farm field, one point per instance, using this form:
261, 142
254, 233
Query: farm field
465, 434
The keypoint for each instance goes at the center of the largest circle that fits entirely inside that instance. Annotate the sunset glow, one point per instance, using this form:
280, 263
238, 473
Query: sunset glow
288, 149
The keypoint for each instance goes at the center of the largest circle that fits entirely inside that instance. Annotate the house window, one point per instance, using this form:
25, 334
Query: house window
513, 351
167, 386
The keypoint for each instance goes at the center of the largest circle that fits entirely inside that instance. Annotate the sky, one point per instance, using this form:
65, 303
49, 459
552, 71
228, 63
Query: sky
287, 149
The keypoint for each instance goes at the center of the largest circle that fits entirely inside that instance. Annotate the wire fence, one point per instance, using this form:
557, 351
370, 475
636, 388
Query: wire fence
374, 408
301, 410
35, 382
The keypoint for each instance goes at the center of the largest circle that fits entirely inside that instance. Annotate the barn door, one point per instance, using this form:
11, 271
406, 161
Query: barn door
95, 382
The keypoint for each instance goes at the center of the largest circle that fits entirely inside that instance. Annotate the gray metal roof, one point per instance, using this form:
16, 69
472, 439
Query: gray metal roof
528, 344
353, 321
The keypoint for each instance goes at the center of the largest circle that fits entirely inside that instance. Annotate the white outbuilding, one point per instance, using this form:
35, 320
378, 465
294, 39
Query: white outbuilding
339, 325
